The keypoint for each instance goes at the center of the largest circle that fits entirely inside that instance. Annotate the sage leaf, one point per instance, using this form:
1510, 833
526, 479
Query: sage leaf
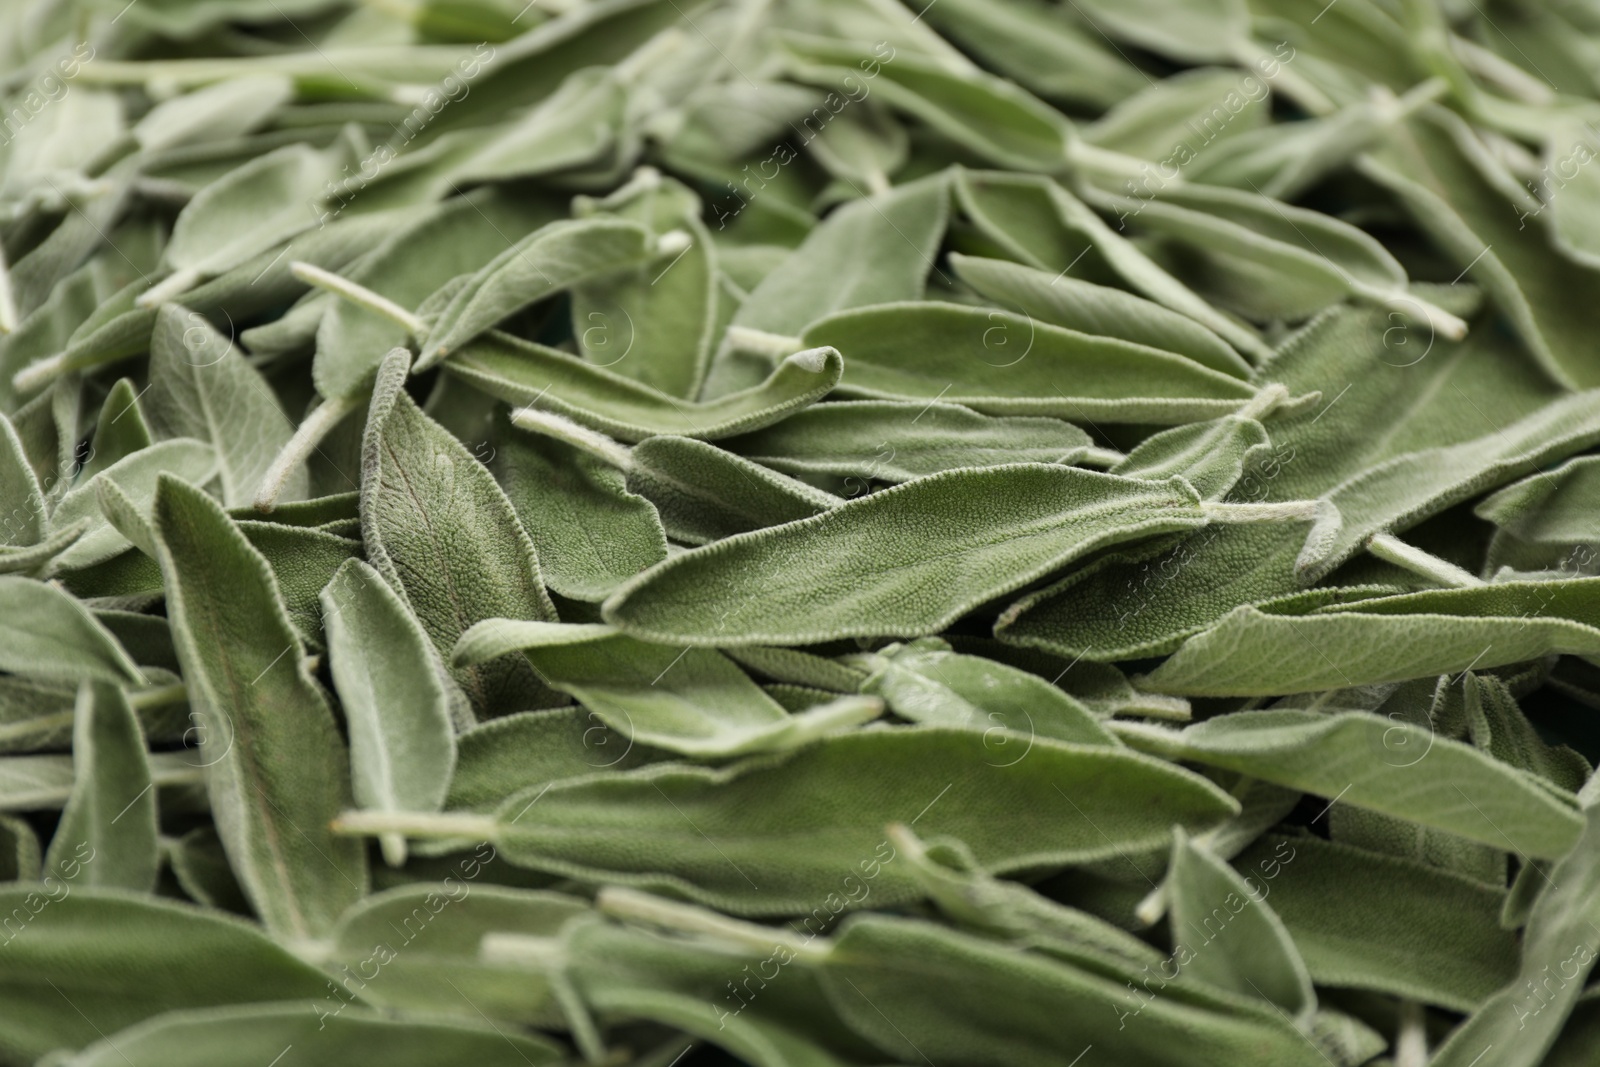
402, 744
112, 810
470, 561
577, 124
884, 440
1559, 935
1099, 310
170, 957
134, 478
119, 432
802, 581
276, 769
704, 494
406, 268
202, 387
52, 635
1243, 239
248, 211
592, 531
1551, 507
657, 322
1394, 495
19, 850
225, 109
634, 973
707, 837
1205, 32
19, 491
989, 116
523, 373
867, 252
535, 748
1047, 51
1444, 176
200, 865
689, 700
925, 682
1488, 626
1158, 122
1366, 921
547, 261
246, 1033
1255, 956
433, 929
1001, 363
960, 889
1211, 456
907, 971
1031, 209
1365, 420
1450, 786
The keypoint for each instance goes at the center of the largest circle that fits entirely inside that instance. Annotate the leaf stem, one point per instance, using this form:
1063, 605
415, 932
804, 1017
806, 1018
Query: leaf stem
424, 824
673, 242
1425, 564
548, 956
1287, 511
359, 295
824, 719
1266, 400
39, 373
192, 72
1450, 327
1411, 1043
8, 303
1109, 163
158, 697
649, 910
581, 437
1502, 74
1308, 96
523, 950
173, 285
307, 436
1159, 706
393, 847
761, 342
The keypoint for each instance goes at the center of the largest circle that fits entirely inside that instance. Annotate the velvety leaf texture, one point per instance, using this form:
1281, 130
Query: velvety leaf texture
821, 533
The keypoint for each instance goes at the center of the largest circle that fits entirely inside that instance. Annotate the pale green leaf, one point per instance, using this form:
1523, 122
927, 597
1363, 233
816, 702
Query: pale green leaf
396, 707
521, 372
48, 634
202, 387
275, 765
552, 258
108, 959
1382, 923
907, 561
443, 535
704, 494
1388, 766
112, 810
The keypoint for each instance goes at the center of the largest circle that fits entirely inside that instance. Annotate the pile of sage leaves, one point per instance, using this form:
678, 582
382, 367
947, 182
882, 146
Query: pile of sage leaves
799, 533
